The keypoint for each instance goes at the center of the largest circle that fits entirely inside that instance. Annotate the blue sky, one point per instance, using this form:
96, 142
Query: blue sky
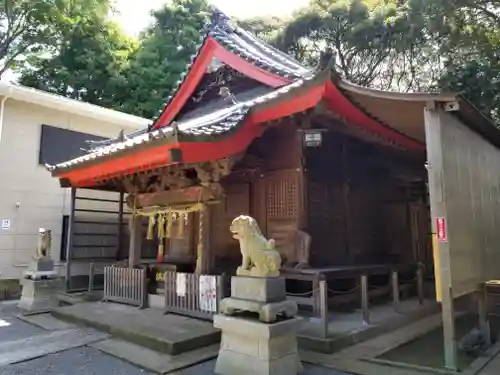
134, 14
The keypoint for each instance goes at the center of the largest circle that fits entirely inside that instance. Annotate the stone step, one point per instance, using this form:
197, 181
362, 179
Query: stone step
166, 333
152, 360
46, 321
70, 298
49, 343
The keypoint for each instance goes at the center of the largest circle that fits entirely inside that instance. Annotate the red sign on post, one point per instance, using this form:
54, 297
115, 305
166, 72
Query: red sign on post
442, 236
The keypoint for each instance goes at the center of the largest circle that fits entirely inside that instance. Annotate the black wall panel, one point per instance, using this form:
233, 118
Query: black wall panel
58, 145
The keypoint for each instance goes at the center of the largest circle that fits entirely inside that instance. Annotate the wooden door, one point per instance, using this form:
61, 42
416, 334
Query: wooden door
235, 202
284, 202
421, 233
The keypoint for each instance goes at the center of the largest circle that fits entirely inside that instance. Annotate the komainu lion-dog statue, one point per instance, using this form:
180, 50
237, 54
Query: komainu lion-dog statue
44, 243
260, 257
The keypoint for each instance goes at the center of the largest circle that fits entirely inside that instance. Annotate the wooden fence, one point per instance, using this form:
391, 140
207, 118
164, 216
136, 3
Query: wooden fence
125, 285
193, 295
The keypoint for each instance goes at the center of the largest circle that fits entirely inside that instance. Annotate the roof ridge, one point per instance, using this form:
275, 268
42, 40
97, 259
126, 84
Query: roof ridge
238, 41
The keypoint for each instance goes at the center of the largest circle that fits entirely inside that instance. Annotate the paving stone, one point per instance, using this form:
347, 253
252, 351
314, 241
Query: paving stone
157, 362
78, 361
48, 343
12, 328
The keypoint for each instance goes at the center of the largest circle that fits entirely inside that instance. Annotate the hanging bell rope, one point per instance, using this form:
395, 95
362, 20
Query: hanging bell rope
151, 226
180, 226
161, 226
168, 227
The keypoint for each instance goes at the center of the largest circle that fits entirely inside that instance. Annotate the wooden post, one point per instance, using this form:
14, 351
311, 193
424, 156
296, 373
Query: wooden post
442, 258
482, 310
449, 334
209, 256
323, 291
364, 299
203, 255
316, 295
136, 229
91, 277
420, 284
119, 250
221, 280
69, 241
395, 290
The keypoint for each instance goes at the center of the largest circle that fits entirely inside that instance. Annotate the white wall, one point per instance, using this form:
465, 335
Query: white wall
42, 201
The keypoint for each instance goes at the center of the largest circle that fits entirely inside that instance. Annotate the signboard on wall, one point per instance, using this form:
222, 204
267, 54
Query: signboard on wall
442, 235
5, 224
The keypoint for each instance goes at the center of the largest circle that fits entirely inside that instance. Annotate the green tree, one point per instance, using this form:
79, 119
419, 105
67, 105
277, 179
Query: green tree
266, 28
355, 34
25, 27
87, 54
466, 34
166, 49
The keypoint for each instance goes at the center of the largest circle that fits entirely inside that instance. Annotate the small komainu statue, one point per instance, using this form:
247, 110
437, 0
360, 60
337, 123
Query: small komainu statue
44, 243
260, 257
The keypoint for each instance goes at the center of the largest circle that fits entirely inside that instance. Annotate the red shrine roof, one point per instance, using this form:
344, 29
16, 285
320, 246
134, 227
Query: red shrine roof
229, 126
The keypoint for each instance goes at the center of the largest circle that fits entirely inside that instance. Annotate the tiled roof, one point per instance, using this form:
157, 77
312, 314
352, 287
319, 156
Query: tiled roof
254, 50
246, 46
212, 124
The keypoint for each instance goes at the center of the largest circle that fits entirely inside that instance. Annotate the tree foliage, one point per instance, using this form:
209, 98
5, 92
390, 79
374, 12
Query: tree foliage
25, 28
87, 54
165, 51
404, 45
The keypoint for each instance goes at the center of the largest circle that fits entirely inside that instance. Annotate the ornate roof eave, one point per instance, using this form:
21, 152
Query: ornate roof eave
238, 49
455, 103
223, 125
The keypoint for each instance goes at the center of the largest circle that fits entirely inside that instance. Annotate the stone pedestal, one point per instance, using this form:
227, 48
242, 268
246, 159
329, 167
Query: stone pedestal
39, 295
264, 296
41, 284
255, 348
263, 344
42, 268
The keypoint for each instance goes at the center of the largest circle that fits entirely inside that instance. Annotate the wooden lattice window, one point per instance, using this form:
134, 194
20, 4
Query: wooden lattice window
282, 198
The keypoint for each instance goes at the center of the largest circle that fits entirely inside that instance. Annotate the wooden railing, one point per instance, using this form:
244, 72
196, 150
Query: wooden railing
125, 285
193, 295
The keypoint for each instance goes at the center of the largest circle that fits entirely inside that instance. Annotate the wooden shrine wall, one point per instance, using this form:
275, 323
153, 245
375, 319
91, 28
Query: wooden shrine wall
270, 190
357, 214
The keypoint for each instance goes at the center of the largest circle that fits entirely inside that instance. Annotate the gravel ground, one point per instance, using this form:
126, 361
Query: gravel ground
80, 361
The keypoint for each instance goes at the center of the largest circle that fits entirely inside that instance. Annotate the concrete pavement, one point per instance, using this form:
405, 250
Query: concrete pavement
26, 349
42, 344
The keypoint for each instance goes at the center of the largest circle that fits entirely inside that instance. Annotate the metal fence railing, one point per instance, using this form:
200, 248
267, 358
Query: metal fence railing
193, 295
318, 298
96, 278
125, 285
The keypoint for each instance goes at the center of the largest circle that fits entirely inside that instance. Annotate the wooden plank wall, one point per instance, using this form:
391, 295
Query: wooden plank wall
272, 194
357, 214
